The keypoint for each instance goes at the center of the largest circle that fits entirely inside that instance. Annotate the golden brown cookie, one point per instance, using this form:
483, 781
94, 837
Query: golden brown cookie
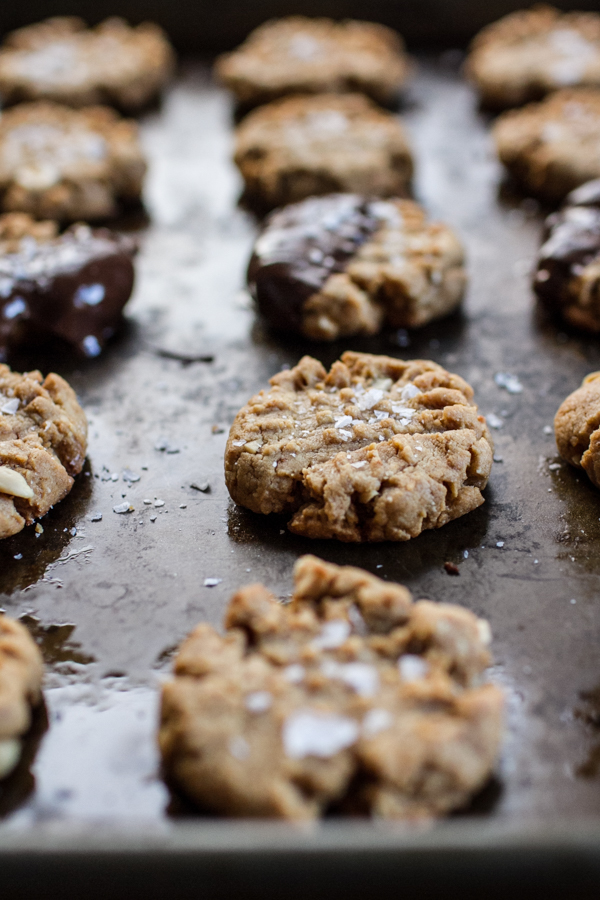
63, 60
351, 697
531, 53
577, 427
340, 265
293, 148
552, 147
21, 671
299, 55
67, 164
376, 449
43, 442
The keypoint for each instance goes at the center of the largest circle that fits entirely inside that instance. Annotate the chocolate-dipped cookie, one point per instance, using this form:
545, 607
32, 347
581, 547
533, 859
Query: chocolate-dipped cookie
72, 285
567, 279
345, 264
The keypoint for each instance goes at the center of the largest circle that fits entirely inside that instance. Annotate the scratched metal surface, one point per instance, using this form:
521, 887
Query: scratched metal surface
109, 599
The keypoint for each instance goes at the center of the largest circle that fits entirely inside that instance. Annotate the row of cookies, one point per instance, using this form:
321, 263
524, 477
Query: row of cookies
65, 159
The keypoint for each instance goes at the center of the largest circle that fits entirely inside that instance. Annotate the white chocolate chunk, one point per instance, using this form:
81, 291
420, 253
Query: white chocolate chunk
10, 753
13, 483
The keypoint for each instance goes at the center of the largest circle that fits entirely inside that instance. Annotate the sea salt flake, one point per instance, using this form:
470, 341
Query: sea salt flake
359, 465
382, 384
370, 398
547, 429
412, 667
494, 421
345, 434
212, 582
509, 382
554, 467
159, 503
123, 508
333, 634
404, 411
343, 421
238, 443
130, 476
361, 677
409, 391
499, 543
258, 701
376, 720
308, 733
294, 673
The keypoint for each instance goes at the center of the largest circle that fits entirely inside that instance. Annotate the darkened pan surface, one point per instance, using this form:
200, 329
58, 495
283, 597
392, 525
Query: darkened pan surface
110, 599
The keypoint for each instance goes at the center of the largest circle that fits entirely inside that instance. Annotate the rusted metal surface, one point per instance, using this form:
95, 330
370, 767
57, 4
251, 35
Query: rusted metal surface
110, 598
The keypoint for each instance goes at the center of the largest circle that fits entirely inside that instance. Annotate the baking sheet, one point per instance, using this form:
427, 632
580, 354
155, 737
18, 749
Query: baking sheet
110, 599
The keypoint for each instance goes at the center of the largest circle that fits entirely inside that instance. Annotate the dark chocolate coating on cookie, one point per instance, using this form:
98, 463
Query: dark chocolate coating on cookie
572, 241
300, 246
72, 287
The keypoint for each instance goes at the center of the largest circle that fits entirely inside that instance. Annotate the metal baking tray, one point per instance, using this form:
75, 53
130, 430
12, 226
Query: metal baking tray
110, 599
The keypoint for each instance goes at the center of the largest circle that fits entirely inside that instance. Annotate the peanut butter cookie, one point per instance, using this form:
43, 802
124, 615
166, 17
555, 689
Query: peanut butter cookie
43, 442
63, 60
299, 55
299, 146
376, 449
72, 285
552, 147
67, 164
340, 265
533, 52
352, 698
21, 670
577, 428
567, 279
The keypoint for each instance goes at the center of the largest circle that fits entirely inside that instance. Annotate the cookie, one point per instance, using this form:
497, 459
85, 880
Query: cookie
299, 55
531, 53
66, 164
577, 428
552, 147
43, 442
376, 449
21, 671
63, 60
350, 698
299, 146
343, 264
72, 285
567, 279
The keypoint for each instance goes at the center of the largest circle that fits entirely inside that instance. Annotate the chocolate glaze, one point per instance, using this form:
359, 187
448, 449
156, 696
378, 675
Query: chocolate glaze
303, 244
73, 287
572, 241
